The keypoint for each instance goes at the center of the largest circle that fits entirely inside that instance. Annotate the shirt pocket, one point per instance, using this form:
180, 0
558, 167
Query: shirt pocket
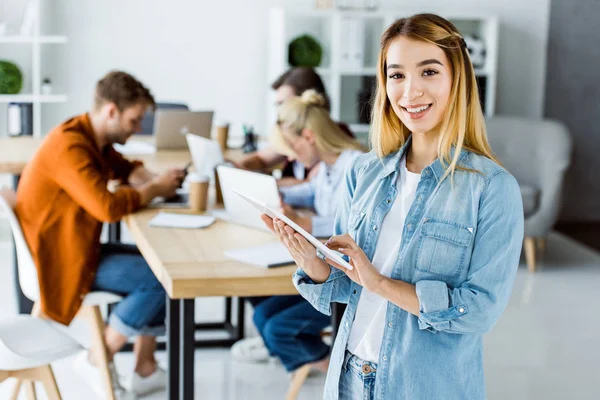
442, 247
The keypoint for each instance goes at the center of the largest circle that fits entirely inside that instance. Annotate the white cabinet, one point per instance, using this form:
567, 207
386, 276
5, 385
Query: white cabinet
350, 42
37, 43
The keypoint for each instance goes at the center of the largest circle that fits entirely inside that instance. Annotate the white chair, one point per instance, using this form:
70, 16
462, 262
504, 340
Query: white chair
28, 280
27, 347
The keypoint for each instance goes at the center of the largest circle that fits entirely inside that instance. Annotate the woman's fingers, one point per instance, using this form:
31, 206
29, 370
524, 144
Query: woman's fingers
334, 264
344, 240
292, 239
268, 222
306, 246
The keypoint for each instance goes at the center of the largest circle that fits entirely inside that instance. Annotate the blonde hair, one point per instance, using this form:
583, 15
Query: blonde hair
463, 125
309, 111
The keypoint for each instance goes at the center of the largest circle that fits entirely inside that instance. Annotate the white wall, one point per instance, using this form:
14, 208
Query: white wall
212, 54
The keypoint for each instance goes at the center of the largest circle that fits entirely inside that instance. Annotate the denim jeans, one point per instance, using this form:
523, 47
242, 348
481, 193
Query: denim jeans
123, 270
291, 329
357, 380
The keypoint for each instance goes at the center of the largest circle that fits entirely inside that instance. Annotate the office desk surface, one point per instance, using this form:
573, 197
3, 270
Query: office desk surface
16, 152
190, 262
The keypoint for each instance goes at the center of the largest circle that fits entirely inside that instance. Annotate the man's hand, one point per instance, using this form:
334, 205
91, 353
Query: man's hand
167, 183
164, 185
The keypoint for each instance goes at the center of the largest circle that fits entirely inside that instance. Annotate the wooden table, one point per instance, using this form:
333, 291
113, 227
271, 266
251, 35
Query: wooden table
190, 264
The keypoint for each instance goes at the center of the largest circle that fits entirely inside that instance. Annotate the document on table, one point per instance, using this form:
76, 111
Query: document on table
135, 147
173, 220
272, 254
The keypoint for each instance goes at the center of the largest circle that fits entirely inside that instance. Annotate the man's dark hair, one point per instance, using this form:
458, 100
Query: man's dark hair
302, 79
122, 89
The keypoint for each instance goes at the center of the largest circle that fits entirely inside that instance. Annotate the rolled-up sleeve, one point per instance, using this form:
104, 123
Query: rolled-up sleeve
476, 305
337, 287
334, 289
302, 195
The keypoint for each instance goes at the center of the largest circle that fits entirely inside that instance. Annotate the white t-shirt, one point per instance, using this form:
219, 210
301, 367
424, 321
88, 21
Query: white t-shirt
367, 329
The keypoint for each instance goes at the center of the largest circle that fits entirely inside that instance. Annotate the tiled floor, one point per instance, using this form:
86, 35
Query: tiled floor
545, 346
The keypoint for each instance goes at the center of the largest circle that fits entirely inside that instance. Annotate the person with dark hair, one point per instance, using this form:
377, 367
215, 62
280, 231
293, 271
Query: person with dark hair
62, 201
291, 83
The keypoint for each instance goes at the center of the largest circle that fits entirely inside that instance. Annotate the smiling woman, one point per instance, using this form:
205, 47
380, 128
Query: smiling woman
432, 224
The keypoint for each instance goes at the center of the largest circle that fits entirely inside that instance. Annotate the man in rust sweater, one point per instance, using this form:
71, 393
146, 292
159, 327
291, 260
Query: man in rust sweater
62, 201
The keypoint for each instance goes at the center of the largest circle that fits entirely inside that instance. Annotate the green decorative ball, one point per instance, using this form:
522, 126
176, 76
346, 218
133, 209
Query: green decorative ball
11, 78
304, 51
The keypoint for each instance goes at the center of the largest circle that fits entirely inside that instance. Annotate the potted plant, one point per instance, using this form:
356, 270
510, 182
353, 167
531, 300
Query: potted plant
11, 78
304, 51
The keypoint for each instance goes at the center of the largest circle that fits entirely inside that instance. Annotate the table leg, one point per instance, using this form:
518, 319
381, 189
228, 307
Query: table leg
241, 316
173, 346
114, 232
188, 347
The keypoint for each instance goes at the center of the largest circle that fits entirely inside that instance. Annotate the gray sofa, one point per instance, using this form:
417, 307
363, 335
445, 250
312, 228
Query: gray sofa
537, 153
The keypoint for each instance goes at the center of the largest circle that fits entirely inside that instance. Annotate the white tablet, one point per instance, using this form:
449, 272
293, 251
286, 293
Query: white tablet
326, 251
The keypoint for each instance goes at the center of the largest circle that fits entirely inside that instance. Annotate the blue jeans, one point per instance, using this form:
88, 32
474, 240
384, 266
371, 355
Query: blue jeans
291, 329
357, 380
123, 270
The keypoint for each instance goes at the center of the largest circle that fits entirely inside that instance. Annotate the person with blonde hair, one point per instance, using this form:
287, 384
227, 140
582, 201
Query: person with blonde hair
290, 328
292, 82
430, 221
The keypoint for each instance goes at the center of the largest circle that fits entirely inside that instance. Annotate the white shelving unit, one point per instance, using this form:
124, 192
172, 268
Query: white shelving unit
36, 98
344, 80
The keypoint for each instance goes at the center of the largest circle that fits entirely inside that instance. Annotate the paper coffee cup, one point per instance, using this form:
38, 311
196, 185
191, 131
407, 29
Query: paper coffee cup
198, 188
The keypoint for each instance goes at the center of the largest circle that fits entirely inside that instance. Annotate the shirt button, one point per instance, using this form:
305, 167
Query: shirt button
409, 226
388, 201
461, 310
384, 358
426, 172
354, 291
390, 324
420, 198
374, 227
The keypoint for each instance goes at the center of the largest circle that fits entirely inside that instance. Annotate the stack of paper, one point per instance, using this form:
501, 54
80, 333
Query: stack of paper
135, 147
268, 255
172, 220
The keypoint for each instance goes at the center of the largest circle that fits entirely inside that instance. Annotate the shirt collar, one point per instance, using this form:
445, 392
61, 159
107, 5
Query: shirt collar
391, 162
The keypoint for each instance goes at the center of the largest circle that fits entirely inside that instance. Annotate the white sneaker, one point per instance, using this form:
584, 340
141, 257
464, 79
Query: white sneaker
91, 375
250, 350
145, 385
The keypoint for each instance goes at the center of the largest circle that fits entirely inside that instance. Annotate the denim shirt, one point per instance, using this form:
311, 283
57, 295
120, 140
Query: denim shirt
321, 192
461, 245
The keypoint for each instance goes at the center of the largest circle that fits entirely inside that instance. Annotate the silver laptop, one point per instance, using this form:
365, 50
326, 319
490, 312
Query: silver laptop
259, 186
171, 126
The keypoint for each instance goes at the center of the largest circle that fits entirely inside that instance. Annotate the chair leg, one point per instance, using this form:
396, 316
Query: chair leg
300, 376
541, 244
49, 382
16, 390
36, 310
530, 253
99, 349
30, 390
